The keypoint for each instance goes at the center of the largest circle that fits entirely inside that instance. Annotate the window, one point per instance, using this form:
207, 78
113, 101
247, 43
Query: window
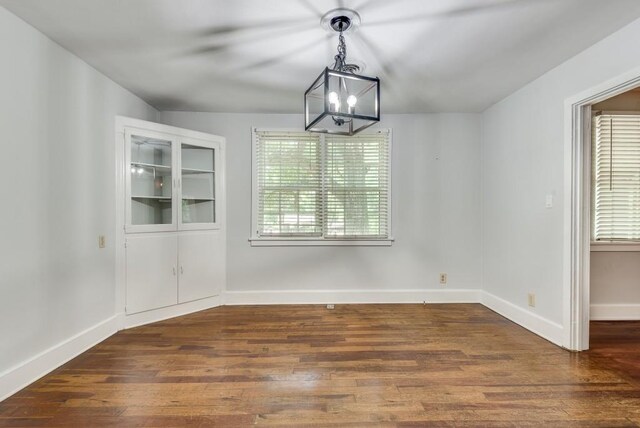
312, 189
616, 177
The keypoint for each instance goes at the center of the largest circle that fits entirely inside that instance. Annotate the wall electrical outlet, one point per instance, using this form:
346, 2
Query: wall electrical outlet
443, 278
331, 306
101, 241
532, 300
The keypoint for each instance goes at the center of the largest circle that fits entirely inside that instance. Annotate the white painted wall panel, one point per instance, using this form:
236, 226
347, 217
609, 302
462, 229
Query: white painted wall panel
615, 278
523, 161
58, 191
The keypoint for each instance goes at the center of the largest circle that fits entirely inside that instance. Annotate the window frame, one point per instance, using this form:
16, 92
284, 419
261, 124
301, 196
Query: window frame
272, 241
605, 245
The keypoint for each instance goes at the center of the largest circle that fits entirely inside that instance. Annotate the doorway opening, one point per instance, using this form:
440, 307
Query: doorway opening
614, 272
603, 212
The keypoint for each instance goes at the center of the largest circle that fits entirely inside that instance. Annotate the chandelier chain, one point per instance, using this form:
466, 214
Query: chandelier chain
341, 58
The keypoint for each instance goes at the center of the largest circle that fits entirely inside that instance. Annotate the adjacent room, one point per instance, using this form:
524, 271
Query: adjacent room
320, 213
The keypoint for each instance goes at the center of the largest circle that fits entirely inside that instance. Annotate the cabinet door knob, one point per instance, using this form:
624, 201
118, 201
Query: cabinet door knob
181, 269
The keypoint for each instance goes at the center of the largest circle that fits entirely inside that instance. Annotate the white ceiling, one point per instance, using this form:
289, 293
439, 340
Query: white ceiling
260, 55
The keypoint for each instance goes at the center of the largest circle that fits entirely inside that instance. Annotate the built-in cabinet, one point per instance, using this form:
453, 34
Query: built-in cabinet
173, 226
170, 268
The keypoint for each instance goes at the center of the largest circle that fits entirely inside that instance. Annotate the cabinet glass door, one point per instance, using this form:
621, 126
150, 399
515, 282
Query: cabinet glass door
150, 184
198, 186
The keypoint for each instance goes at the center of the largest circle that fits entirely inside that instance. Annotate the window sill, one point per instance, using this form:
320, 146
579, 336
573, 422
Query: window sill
615, 246
293, 242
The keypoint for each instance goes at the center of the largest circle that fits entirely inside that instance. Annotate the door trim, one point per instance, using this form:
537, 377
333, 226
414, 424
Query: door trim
577, 211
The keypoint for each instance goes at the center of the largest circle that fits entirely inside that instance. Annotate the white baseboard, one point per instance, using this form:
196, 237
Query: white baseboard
529, 320
303, 297
614, 312
18, 377
141, 318
533, 322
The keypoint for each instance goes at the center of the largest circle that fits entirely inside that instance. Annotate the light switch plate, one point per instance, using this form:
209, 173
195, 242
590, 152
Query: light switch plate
101, 241
549, 201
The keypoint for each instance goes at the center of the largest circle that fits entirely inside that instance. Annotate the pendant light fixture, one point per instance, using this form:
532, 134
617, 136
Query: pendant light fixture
340, 101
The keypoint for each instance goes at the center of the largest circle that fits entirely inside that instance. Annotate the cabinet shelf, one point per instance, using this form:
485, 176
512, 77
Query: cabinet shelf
151, 165
197, 171
189, 198
160, 198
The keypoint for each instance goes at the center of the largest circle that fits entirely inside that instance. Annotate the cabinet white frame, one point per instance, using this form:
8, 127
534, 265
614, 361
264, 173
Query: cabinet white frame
177, 141
122, 125
132, 228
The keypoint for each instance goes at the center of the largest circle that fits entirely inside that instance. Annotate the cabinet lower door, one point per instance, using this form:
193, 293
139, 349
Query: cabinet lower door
152, 270
202, 265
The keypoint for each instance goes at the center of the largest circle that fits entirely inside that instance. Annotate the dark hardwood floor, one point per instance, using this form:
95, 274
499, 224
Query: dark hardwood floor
617, 344
358, 365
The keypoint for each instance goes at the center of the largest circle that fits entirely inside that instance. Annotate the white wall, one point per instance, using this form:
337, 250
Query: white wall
57, 192
523, 160
615, 278
615, 285
436, 197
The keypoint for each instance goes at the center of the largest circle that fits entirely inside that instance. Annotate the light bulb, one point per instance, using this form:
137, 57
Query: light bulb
352, 100
334, 101
133, 170
140, 170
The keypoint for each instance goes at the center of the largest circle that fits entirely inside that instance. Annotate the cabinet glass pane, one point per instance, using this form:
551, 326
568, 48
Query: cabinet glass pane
198, 211
199, 158
151, 189
198, 184
150, 211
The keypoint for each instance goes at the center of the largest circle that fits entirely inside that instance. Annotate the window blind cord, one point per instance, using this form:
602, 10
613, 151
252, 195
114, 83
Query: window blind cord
610, 154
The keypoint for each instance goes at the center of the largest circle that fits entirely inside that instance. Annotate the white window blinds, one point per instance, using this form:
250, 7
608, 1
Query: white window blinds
356, 186
289, 184
616, 178
322, 186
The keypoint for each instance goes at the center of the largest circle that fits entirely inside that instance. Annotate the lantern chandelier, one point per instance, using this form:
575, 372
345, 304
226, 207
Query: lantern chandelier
340, 101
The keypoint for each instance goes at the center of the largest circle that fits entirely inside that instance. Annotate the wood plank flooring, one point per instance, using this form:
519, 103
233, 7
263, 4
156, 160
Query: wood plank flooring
357, 365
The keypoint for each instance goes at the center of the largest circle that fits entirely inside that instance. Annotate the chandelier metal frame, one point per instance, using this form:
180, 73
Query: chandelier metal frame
345, 122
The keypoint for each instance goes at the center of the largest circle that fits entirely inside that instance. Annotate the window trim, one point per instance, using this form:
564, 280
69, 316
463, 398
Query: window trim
615, 246
258, 241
